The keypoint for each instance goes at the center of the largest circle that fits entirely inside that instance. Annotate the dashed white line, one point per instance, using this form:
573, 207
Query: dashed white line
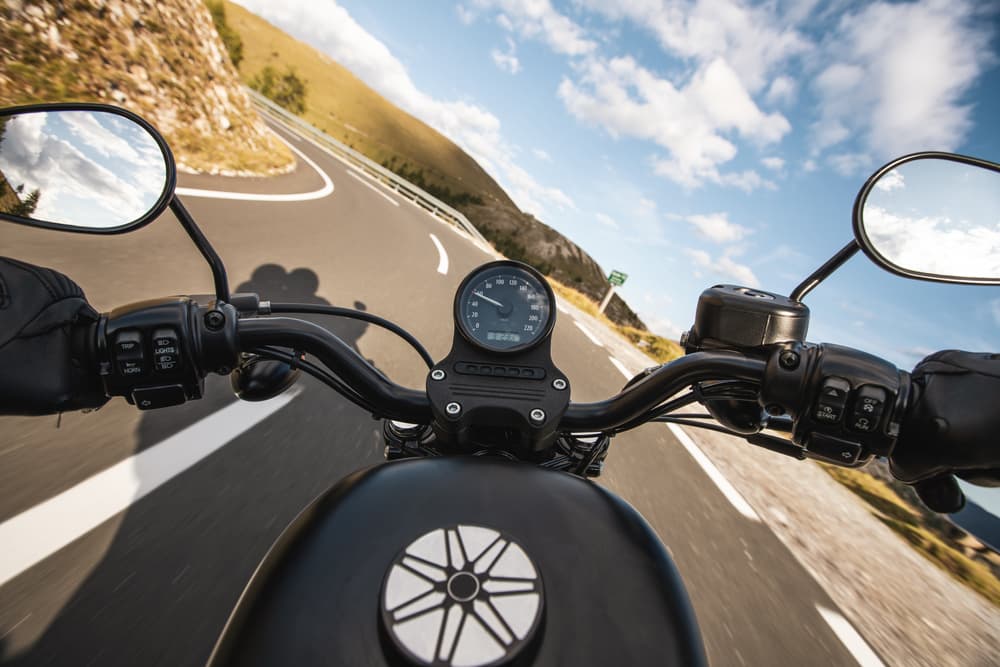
364, 182
324, 191
727, 489
621, 368
850, 638
49, 526
588, 334
442, 256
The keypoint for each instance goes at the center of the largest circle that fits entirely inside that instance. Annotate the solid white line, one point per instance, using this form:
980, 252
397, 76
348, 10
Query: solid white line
49, 526
364, 182
621, 368
442, 256
562, 308
586, 332
850, 638
253, 196
727, 489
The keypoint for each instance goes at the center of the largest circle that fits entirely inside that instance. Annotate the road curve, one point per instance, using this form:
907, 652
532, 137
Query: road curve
152, 584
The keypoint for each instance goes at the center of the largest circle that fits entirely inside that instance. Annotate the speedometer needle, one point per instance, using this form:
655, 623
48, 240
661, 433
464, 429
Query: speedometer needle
486, 298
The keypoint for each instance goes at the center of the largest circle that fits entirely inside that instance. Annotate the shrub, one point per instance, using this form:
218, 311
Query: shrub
287, 90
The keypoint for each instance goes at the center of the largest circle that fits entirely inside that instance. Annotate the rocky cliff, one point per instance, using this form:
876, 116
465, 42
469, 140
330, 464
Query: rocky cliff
162, 59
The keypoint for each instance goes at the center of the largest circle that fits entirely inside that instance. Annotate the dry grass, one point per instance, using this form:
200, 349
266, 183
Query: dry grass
339, 104
896, 513
657, 348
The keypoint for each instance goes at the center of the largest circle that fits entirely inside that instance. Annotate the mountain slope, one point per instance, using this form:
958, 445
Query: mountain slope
341, 105
162, 60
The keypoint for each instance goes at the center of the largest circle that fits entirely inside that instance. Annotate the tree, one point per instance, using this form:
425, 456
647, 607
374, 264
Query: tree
286, 89
230, 38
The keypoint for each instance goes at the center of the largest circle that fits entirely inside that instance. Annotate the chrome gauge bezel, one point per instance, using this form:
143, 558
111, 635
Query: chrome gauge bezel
503, 266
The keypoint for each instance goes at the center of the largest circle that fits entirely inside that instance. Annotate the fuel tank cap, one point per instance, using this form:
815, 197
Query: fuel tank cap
462, 595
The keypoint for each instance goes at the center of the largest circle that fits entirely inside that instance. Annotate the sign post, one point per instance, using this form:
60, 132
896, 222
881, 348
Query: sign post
616, 279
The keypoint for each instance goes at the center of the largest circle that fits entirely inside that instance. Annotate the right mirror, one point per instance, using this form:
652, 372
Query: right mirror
934, 216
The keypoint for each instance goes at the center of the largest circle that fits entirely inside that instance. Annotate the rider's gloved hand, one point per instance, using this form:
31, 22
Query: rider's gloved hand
953, 427
43, 321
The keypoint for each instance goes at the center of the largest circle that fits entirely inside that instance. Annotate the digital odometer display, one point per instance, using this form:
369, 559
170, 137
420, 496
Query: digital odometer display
504, 307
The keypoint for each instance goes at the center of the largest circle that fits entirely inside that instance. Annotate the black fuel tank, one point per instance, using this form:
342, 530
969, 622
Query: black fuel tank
491, 562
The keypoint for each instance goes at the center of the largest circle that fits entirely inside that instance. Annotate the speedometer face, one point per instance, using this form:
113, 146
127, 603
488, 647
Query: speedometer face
504, 307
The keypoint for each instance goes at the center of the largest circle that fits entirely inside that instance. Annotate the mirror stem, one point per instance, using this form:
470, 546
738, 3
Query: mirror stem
206, 249
823, 272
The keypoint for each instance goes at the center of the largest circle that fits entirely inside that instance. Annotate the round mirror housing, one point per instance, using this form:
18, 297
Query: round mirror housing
90, 168
933, 216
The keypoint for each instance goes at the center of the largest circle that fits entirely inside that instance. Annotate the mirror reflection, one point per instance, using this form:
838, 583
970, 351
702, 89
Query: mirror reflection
79, 169
937, 217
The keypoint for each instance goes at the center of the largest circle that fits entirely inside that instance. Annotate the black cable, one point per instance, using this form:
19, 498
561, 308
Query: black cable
317, 372
335, 311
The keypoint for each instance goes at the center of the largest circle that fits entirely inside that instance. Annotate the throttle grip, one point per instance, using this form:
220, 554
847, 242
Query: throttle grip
952, 423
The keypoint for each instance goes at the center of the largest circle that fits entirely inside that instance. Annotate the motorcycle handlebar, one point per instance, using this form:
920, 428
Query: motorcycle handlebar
413, 406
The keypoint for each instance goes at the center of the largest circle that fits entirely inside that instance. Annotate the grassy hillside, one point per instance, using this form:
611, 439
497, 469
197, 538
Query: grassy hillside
344, 107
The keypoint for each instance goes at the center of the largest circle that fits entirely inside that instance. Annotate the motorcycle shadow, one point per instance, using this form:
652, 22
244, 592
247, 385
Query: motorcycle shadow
180, 557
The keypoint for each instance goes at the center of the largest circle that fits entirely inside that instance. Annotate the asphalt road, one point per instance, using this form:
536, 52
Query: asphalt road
154, 583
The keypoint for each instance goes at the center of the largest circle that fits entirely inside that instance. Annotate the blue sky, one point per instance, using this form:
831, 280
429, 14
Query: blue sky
689, 143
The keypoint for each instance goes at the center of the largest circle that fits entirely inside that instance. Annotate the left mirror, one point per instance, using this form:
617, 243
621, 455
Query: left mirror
83, 167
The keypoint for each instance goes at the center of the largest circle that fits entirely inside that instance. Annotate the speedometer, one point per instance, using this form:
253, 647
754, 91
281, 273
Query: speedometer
504, 307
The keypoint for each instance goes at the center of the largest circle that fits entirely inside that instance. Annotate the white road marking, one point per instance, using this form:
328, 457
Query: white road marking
324, 191
364, 181
727, 489
621, 368
588, 334
49, 526
442, 256
562, 308
850, 638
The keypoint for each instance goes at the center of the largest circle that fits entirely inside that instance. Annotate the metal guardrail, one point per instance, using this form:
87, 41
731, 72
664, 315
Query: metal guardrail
373, 170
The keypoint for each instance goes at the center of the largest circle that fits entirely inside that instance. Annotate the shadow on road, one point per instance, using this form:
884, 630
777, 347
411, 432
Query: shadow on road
180, 557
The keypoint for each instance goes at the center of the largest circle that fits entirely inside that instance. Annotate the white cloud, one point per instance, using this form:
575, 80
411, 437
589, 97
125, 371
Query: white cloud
465, 15
995, 307
773, 163
809, 166
754, 40
891, 181
933, 244
507, 60
330, 28
607, 220
541, 155
898, 76
717, 227
849, 164
538, 19
723, 267
627, 99
782, 91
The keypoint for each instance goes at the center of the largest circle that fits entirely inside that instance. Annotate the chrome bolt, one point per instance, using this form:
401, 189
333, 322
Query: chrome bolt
453, 409
437, 374
559, 384
537, 415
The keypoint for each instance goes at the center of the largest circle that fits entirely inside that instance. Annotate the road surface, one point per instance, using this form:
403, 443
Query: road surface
153, 583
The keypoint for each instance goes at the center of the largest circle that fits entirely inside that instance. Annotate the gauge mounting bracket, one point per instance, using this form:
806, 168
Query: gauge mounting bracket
508, 399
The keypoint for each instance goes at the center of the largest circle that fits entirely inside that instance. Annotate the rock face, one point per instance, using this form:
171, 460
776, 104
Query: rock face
521, 236
160, 58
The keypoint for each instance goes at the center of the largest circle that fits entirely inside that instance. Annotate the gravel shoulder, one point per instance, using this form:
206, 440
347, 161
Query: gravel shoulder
907, 608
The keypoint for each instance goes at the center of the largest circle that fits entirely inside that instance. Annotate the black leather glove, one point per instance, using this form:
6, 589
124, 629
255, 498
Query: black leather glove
44, 318
953, 427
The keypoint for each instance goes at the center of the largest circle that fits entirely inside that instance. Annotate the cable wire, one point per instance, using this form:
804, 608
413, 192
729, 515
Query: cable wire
335, 311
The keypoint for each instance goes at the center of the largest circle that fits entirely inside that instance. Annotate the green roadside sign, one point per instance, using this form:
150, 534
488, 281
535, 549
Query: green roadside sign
617, 278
